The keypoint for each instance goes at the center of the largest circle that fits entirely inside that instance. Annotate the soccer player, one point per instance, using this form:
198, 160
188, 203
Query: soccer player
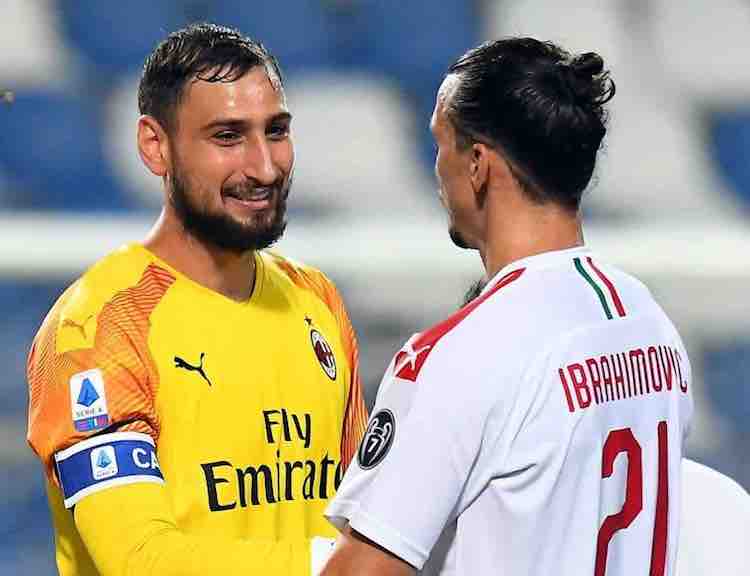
538, 430
194, 398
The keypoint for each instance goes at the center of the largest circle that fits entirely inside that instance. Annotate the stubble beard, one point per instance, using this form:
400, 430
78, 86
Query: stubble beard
458, 239
261, 231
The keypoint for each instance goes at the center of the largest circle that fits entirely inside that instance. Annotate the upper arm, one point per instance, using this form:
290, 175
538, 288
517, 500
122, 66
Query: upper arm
90, 370
356, 554
423, 458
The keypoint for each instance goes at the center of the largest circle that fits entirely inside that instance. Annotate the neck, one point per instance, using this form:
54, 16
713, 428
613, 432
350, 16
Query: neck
227, 273
526, 229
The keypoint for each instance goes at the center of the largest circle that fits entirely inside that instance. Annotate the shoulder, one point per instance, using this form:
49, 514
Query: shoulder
699, 480
715, 515
295, 275
120, 280
469, 339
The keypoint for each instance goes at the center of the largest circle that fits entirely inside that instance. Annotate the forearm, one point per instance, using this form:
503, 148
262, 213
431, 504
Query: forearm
128, 531
357, 555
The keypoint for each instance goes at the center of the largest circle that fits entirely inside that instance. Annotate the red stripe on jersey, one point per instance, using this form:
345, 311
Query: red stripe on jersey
409, 363
610, 287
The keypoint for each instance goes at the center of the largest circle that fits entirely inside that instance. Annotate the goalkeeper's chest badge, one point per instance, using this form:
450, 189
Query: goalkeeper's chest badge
324, 353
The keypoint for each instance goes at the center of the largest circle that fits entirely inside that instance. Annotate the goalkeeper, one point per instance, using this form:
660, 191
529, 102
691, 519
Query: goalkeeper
194, 398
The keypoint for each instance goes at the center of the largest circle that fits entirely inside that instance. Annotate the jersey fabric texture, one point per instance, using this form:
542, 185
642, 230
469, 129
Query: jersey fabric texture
244, 413
715, 523
537, 431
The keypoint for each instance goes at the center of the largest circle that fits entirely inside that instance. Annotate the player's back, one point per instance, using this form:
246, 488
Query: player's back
579, 467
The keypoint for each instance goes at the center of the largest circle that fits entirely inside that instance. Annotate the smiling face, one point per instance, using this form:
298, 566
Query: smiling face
232, 160
452, 169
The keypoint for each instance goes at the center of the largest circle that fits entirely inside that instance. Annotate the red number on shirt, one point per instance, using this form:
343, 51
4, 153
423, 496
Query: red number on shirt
623, 441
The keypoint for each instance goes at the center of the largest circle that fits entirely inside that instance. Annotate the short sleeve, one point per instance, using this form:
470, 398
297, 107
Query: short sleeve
90, 373
415, 462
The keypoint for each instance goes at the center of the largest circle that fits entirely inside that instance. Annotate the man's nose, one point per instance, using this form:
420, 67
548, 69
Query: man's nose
259, 163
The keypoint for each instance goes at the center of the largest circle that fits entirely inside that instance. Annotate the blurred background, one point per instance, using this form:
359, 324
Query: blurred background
670, 202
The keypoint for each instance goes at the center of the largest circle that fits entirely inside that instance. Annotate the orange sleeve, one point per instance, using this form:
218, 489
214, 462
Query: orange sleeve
355, 417
116, 362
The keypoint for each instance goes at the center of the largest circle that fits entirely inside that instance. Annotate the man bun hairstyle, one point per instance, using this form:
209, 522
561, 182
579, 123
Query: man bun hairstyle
540, 107
202, 51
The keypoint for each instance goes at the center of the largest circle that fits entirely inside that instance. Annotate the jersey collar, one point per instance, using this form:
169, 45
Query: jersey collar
550, 259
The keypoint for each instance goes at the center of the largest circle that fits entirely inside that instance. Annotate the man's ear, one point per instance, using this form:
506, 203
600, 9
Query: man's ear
153, 145
479, 171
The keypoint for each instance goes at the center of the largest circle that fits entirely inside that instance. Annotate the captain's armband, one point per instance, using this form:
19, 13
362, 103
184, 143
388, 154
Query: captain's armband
105, 461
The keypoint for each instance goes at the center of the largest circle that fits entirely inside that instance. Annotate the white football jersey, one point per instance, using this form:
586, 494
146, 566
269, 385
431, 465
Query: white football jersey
715, 524
539, 430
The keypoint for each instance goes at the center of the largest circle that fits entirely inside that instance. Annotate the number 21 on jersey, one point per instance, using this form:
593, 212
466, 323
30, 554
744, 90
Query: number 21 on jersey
623, 440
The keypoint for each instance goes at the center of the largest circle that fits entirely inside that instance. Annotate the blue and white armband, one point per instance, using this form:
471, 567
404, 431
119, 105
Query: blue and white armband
105, 461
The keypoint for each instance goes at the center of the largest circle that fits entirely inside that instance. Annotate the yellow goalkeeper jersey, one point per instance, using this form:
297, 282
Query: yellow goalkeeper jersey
247, 412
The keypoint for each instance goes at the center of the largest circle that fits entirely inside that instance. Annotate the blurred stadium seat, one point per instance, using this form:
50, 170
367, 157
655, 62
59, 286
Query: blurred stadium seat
340, 171
34, 54
116, 37
144, 189
723, 362
655, 163
414, 43
20, 302
300, 33
51, 150
730, 143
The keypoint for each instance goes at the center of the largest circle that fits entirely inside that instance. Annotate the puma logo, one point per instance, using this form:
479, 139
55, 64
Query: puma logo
68, 323
180, 363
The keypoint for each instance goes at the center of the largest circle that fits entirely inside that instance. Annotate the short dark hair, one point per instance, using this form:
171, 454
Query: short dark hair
204, 51
542, 108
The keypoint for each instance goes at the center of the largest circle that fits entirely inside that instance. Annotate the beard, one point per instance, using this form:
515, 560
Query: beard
458, 239
261, 231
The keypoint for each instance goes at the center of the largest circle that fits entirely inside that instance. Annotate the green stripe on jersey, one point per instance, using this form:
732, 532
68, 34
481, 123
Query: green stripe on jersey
594, 285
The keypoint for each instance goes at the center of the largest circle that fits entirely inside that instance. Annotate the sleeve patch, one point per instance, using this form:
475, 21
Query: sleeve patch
88, 401
105, 461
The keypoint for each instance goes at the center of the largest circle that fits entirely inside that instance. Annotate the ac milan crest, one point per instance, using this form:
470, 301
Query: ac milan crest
323, 353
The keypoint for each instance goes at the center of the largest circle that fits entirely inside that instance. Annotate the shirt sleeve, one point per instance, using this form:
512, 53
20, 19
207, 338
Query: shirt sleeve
419, 461
90, 373
145, 541
355, 416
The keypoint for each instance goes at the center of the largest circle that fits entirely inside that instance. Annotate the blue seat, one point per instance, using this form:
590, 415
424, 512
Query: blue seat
23, 306
116, 37
51, 150
415, 42
26, 540
730, 137
300, 33
725, 372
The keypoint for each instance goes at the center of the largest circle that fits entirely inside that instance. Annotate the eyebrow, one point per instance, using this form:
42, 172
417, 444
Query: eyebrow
242, 124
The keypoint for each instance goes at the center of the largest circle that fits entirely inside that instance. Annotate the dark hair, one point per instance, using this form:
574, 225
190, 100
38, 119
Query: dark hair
204, 51
542, 108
